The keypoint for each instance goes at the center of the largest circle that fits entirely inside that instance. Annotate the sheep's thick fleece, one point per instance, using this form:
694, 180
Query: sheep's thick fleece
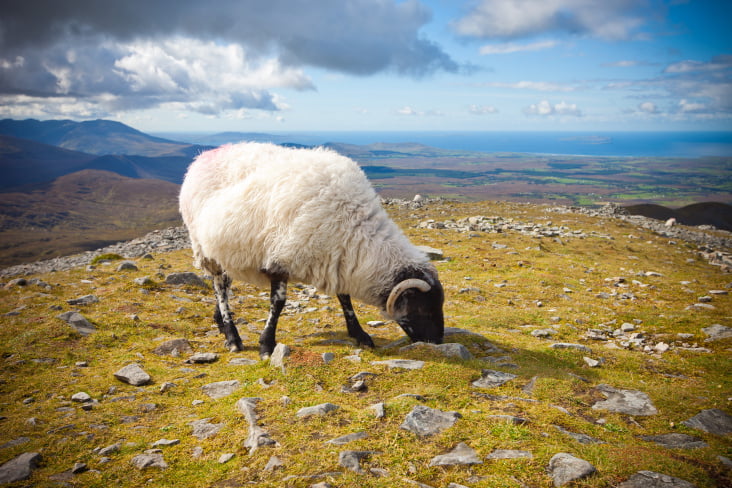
309, 212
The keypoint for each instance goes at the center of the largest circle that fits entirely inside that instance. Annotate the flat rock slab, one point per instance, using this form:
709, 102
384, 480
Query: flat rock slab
78, 322
173, 347
566, 345
579, 437
85, 300
150, 459
564, 468
629, 402
400, 363
650, 479
242, 362
221, 389
510, 454
203, 358
717, 332
449, 349
425, 421
345, 439
462, 454
19, 468
676, 441
322, 409
133, 374
493, 379
203, 429
714, 421
188, 278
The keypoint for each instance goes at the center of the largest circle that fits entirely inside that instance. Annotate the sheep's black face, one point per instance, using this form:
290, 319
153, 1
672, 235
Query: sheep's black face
421, 316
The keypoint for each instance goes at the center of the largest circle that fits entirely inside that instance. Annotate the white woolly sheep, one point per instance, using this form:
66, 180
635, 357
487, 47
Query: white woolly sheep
267, 214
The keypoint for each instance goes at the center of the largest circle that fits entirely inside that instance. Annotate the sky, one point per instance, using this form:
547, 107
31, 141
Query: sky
370, 65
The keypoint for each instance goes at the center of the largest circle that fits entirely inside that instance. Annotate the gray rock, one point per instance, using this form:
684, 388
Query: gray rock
78, 322
713, 420
203, 358
257, 437
81, 397
19, 468
379, 410
187, 278
279, 354
564, 468
509, 419
509, 454
400, 363
133, 374
322, 409
142, 281
425, 421
169, 348
127, 266
449, 349
650, 479
85, 300
352, 459
543, 333
221, 389
676, 441
629, 402
242, 362
432, 253
79, 468
566, 345
152, 458
203, 429
717, 332
225, 458
273, 463
581, 438
345, 439
15, 442
461, 454
493, 379
105, 451
166, 442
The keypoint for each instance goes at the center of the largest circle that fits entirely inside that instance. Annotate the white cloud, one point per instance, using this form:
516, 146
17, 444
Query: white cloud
543, 86
689, 66
407, 110
544, 109
648, 107
686, 106
510, 47
505, 19
482, 109
410, 111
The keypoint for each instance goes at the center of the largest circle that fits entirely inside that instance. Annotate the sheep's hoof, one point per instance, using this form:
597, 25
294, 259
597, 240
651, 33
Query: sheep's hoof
234, 346
366, 340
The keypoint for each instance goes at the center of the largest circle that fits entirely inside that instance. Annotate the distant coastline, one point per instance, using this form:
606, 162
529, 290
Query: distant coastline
633, 144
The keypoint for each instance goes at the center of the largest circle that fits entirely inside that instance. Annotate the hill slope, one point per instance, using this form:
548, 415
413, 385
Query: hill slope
618, 294
705, 213
82, 210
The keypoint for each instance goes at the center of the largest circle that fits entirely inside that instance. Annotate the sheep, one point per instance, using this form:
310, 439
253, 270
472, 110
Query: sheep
267, 214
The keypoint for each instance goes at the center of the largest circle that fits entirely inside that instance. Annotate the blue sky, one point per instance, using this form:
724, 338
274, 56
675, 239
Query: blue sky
297, 65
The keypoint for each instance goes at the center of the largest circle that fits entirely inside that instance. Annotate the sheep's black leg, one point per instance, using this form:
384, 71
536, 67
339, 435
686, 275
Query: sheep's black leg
354, 328
222, 312
277, 298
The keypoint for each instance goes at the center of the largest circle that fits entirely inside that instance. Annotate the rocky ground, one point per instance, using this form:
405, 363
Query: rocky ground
584, 348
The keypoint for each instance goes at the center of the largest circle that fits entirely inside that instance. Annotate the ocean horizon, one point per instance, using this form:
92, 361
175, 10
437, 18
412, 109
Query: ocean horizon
687, 144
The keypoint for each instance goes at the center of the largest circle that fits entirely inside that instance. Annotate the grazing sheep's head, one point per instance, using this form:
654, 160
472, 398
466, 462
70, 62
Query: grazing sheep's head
416, 305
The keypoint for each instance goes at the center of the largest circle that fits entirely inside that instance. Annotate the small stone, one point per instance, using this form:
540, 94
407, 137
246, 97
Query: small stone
187, 278
651, 479
565, 345
143, 281
450, 349
510, 454
203, 358
676, 441
630, 402
564, 468
713, 420
322, 409
203, 429
492, 379
461, 454
425, 421
352, 459
379, 410
279, 354
166, 386
592, 363
85, 300
273, 463
79, 468
20, 467
78, 322
543, 333
511, 419
400, 363
105, 451
127, 266
581, 438
167, 348
345, 439
81, 397
225, 458
150, 459
242, 362
328, 357
133, 374
661, 347
376, 323
717, 332
166, 442
221, 389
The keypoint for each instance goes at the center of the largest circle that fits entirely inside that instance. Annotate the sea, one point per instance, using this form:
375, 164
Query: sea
637, 144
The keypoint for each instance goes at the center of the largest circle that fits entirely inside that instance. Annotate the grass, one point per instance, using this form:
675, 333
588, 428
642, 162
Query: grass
39, 355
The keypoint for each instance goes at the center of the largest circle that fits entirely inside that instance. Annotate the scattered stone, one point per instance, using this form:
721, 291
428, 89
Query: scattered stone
152, 458
352, 459
273, 463
187, 278
376, 323
105, 451
676, 441
78, 322
133, 374
322, 409
629, 402
225, 458
345, 439
85, 300
713, 420
79, 468
173, 347
279, 354
400, 363
19, 468
511, 419
717, 332
493, 379
203, 429
581, 438
566, 345
449, 349
242, 362
432, 253
592, 363
379, 410
81, 397
203, 358
166, 442
510, 454
327, 357
461, 454
425, 421
143, 281
543, 333
650, 479
564, 468
257, 437
15, 442
166, 386
127, 266
221, 389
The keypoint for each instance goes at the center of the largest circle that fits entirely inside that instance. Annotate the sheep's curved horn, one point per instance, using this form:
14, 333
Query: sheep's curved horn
397, 291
